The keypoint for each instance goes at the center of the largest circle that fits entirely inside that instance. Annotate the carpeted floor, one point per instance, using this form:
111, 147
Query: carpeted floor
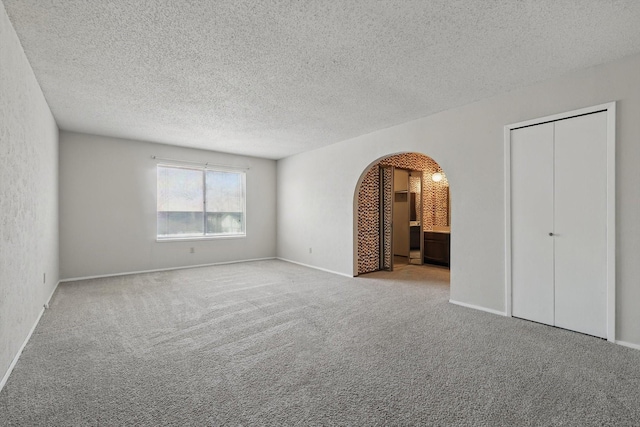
273, 343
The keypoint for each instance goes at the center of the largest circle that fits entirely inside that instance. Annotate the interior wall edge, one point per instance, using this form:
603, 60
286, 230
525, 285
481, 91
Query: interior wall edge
29, 253
477, 307
45, 307
326, 270
129, 273
628, 344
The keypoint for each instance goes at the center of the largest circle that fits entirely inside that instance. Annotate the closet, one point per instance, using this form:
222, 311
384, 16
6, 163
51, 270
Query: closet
560, 185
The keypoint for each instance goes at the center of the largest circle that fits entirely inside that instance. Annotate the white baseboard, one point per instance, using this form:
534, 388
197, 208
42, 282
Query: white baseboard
316, 268
5, 378
501, 313
477, 307
628, 344
100, 276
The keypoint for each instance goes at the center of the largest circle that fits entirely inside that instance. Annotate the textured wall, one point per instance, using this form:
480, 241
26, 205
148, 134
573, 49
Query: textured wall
108, 208
317, 197
28, 196
434, 199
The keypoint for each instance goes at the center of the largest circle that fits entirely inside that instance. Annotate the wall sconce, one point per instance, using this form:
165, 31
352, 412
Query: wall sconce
436, 177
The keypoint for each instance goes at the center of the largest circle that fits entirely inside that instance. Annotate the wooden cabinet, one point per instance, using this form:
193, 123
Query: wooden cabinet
437, 248
414, 238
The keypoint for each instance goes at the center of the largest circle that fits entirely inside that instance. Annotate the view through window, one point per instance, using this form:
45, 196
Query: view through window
199, 202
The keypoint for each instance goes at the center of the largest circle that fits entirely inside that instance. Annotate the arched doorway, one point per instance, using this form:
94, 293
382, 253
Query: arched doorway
427, 197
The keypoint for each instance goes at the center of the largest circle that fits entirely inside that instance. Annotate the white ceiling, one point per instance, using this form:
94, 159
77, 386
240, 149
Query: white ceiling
273, 78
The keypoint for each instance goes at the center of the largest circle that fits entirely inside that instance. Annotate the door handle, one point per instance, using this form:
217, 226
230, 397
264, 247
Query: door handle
551, 234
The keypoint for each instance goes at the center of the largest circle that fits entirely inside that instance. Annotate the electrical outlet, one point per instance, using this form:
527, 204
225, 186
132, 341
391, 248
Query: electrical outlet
44, 277
310, 250
192, 250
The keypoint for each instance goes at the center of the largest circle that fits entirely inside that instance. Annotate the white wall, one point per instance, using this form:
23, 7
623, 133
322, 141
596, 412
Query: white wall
108, 208
316, 189
28, 196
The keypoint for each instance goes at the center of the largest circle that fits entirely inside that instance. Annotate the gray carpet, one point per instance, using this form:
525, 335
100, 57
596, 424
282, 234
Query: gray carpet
272, 343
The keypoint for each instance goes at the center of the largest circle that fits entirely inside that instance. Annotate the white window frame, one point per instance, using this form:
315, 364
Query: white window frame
205, 236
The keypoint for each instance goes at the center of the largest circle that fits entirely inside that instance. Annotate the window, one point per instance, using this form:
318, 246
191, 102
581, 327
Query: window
198, 202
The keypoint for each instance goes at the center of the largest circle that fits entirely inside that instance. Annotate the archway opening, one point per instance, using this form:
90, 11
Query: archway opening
386, 237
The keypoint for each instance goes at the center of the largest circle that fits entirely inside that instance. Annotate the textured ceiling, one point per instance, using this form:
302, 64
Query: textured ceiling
273, 78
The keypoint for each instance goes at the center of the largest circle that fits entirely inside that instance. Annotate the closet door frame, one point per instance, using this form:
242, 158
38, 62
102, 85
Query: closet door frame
610, 109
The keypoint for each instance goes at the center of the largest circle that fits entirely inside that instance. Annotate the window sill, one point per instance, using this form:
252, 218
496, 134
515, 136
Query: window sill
196, 238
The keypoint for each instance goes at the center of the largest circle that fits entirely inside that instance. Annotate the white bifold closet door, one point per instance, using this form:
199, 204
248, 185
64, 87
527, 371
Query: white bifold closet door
532, 257
559, 223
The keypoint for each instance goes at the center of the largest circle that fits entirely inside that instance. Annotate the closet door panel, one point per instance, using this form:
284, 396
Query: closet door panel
401, 213
580, 203
531, 223
385, 178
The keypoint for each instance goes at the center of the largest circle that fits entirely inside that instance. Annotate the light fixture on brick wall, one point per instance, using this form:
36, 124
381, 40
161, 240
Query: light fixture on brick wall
437, 177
